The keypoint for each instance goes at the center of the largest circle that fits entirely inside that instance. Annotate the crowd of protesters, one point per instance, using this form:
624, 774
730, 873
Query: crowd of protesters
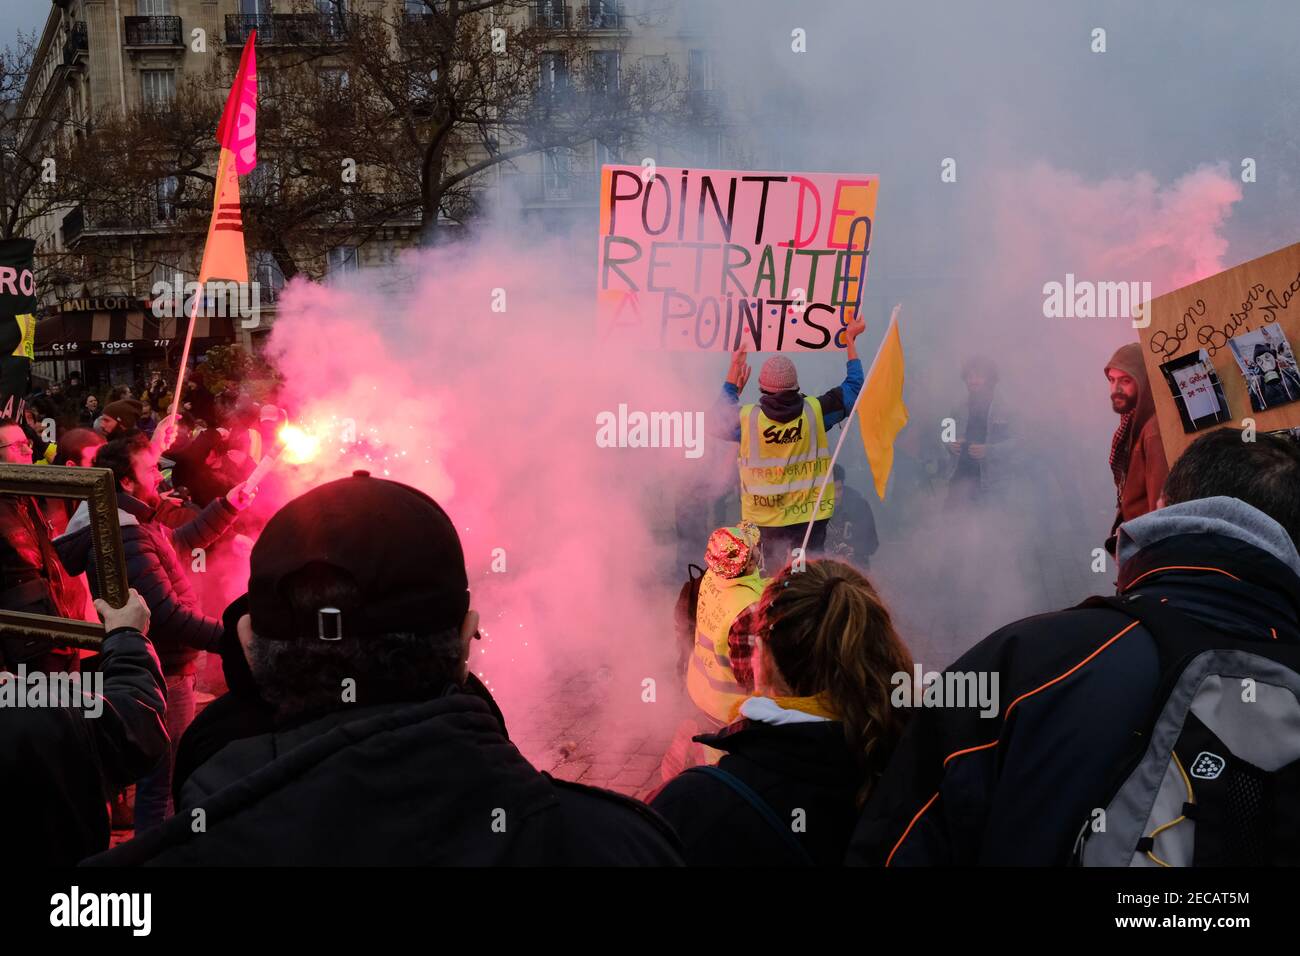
353, 732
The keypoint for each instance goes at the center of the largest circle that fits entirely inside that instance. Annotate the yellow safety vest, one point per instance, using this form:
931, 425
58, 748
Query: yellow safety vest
781, 466
710, 680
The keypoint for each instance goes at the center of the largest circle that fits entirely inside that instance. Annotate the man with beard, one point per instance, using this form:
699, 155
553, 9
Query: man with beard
157, 554
1137, 456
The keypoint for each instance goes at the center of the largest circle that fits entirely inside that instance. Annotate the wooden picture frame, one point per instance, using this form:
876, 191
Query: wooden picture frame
97, 487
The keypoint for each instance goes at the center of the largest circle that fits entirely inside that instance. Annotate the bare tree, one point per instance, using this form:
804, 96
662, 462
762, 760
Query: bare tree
460, 88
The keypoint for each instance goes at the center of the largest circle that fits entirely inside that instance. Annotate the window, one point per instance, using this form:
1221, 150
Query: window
166, 269
551, 13
332, 7
255, 7
342, 259
603, 13
555, 74
557, 175
606, 154
333, 79
699, 70
165, 198
267, 274
157, 89
604, 71
708, 145
264, 180
153, 8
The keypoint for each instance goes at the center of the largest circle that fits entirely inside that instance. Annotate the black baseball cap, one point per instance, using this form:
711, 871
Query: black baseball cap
395, 543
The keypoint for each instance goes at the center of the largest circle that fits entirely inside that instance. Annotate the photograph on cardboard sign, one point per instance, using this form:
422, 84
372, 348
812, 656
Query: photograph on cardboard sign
1267, 360
1197, 391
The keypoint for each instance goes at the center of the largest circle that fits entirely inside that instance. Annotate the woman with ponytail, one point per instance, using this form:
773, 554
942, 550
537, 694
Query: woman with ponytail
810, 743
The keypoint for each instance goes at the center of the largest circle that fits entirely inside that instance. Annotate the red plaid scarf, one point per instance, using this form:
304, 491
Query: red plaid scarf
1120, 451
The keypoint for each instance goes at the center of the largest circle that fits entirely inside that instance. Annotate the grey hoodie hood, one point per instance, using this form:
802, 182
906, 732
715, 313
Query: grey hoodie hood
1230, 517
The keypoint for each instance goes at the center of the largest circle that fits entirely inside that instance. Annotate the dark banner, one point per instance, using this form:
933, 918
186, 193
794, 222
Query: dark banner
17, 323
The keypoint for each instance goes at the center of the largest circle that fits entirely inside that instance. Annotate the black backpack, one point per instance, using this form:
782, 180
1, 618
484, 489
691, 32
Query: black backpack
1215, 781
688, 599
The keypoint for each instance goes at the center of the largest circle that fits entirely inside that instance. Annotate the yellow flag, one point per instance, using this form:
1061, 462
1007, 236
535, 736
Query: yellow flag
881, 412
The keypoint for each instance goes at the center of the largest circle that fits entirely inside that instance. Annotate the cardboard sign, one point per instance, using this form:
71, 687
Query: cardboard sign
708, 259
1247, 321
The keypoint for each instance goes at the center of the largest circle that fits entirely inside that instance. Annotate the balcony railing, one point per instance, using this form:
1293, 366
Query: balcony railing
77, 43
583, 15
289, 28
120, 218
556, 186
153, 31
704, 101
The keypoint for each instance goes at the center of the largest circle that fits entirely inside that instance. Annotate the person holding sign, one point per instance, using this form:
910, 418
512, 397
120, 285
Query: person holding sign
784, 453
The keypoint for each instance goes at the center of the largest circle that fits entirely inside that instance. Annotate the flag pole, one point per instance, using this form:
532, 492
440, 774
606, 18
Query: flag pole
185, 352
852, 414
226, 136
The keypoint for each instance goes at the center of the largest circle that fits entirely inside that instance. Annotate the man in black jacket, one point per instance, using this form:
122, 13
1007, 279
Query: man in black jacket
1076, 686
61, 764
157, 555
357, 635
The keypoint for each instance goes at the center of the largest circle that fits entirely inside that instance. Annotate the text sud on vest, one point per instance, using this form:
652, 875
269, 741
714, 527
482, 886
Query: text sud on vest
776, 435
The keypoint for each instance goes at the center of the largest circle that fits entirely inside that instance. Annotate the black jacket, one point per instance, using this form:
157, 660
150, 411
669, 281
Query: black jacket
432, 783
793, 767
60, 766
1079, 685
178, 626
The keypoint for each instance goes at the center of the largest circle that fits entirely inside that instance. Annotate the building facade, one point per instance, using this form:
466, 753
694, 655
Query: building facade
98, 58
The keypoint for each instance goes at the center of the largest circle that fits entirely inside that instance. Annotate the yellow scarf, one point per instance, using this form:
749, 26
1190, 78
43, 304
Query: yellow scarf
818, 706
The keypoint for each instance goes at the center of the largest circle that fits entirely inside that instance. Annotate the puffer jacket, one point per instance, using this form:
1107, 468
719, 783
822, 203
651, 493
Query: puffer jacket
179, 628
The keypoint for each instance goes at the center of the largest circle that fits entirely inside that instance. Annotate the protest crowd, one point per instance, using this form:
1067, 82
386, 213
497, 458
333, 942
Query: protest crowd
815, 744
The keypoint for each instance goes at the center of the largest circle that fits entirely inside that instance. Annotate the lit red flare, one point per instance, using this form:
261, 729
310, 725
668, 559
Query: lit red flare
300, 446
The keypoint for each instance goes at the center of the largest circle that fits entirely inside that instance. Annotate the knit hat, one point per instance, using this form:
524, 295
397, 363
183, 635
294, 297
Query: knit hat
394, 543
778, 375
729, 549
126, 411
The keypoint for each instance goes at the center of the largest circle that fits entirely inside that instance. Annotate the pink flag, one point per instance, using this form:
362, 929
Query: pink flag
238, 129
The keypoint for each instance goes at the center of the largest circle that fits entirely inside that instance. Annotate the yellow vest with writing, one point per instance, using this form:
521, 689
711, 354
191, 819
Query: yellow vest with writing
781, 466
710, 680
